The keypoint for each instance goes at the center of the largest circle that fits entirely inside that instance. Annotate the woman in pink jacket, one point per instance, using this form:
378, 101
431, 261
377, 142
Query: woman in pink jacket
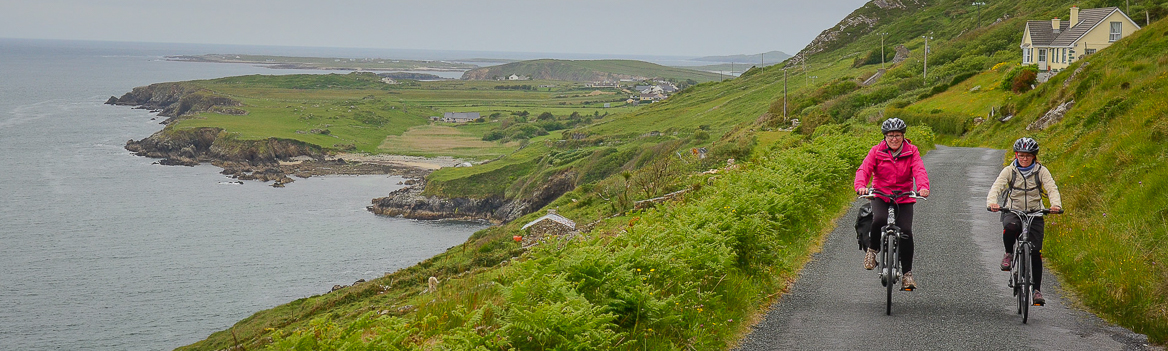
893, 165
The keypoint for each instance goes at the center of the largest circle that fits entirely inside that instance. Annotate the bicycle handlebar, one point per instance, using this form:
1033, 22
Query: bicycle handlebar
1042, 211
872, 193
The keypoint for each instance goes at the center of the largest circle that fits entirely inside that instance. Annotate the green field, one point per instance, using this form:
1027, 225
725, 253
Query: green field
358, 112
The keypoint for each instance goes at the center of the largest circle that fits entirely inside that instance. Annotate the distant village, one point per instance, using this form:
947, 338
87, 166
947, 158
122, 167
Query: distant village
659, 90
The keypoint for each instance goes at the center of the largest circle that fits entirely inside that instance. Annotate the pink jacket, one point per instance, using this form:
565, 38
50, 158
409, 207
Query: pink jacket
888, 174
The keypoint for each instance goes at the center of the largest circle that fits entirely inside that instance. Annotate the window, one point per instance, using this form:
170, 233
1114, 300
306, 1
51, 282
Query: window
1090, 51
1026, 55
1041, 55
1116, 31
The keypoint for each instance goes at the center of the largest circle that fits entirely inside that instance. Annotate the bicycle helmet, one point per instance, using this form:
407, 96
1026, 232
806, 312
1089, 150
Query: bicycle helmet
1028, 145
892, 125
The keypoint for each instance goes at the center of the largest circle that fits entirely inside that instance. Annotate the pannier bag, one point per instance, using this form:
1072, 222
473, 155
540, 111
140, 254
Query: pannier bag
864, 225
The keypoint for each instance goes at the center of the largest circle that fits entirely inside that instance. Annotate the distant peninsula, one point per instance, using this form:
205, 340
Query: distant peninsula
328, 63
587, 71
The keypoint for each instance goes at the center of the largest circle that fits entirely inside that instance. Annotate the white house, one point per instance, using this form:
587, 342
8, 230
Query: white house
1054, 44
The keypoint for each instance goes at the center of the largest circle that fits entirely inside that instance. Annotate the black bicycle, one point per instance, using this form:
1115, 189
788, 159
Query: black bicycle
889, 258
1021, 272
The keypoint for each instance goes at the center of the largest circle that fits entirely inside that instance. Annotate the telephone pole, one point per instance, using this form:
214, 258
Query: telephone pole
882, 35
925, 75
979, 4
784, 92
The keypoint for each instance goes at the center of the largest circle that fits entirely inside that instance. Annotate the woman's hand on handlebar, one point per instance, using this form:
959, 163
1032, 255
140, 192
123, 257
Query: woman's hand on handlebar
923, 192
861, 191
994, 208
1056, 209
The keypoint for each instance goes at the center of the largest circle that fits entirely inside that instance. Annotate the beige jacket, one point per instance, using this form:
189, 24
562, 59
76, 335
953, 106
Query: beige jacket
1019, 198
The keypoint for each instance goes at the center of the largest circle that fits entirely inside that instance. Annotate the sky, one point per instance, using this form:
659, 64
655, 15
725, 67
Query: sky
637, 27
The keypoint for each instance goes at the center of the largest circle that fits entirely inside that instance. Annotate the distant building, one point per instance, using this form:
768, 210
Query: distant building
604, 84
651, 89
517, 77
653, 97
1054, 44
551, 224
460, 117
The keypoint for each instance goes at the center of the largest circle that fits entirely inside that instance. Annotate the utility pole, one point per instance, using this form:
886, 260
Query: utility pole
979, 4
882, 35
925, 75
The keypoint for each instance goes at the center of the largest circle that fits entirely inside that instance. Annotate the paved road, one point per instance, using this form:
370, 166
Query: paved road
961, 302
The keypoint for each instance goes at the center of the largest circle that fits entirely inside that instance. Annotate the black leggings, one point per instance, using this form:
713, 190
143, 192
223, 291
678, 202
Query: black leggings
1011, 229
904, 220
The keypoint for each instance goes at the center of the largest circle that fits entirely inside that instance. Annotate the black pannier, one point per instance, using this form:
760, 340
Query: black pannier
864, 225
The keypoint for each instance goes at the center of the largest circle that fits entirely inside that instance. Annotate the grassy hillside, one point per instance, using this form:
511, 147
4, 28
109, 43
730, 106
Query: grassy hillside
590, 71
693, 273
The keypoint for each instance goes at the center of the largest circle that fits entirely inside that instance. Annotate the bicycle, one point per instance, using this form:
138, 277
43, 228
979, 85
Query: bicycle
889, 258
1021, 273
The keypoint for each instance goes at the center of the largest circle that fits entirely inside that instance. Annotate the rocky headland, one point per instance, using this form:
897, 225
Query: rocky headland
279, 160
270, 159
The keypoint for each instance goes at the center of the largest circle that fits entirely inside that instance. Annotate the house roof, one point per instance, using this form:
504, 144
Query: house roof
553, 216
1042, 34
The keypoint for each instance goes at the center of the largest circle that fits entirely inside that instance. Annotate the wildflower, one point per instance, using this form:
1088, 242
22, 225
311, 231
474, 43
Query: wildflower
652, 269
638, 269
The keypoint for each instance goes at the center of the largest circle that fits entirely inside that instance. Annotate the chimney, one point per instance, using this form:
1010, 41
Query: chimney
1074, 15
1055, 23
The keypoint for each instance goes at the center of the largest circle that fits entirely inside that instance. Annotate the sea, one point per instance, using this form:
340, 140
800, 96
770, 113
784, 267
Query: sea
104, 250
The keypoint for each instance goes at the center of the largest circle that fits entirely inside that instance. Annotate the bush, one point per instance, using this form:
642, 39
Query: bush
939, 121
1020, 79
701, 135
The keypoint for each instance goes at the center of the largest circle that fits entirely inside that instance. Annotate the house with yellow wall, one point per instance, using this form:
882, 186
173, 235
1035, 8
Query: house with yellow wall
1053, 45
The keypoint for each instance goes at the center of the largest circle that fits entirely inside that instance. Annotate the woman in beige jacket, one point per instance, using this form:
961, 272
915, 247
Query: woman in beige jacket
1020, 186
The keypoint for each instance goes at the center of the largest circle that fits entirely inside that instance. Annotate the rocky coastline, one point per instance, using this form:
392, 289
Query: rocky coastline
279, 160
410, 202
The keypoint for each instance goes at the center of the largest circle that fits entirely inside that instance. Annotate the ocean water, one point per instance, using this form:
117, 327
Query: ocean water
104, 250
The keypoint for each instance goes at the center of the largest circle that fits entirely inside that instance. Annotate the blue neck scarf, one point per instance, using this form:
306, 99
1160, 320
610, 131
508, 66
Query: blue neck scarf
1025, 170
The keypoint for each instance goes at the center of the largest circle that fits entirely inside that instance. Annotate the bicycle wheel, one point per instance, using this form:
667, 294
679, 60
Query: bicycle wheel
890, 260
1026, 295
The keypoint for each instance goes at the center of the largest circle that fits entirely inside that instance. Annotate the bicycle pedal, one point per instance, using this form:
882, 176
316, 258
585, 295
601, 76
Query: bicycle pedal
908, 289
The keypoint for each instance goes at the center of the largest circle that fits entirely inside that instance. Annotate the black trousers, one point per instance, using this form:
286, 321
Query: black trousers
1012, 228
904, 220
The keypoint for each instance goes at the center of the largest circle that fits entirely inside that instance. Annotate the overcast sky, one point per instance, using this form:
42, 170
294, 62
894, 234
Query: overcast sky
641, 27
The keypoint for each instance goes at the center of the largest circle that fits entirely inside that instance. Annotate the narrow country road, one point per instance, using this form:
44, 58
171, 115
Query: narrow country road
961, 303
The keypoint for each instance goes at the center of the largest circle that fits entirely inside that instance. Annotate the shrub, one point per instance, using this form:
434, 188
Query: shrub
1018, 81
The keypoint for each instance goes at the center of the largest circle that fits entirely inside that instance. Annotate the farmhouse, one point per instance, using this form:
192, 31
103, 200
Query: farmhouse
459, 117
1053, 45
